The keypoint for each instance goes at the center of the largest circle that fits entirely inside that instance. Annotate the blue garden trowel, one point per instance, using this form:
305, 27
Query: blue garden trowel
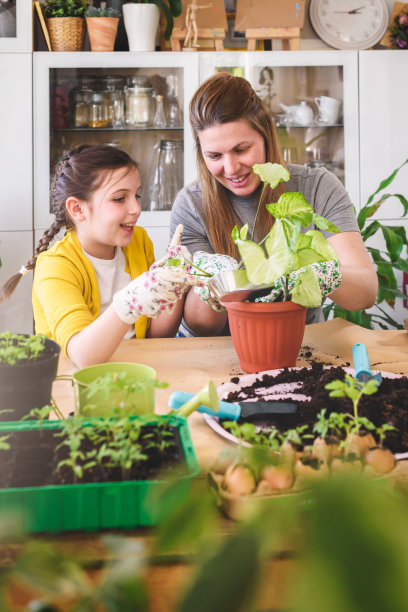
362, 364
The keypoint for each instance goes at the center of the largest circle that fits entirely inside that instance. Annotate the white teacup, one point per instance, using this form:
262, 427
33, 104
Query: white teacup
329, 109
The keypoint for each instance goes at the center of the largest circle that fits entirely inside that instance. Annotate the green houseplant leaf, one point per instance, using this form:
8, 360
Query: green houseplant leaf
387, 262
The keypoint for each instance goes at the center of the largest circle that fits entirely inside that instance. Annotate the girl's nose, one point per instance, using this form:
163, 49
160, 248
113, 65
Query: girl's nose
135, 206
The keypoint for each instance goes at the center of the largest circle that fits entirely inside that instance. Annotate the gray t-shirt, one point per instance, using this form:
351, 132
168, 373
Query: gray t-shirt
322, 190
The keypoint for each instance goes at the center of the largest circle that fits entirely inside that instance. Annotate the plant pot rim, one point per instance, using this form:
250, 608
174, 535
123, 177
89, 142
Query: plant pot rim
262, 306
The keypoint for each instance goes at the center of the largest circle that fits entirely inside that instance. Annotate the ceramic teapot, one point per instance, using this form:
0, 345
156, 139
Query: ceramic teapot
298, 114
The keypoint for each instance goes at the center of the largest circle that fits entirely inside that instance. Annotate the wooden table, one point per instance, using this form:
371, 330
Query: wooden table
188, 364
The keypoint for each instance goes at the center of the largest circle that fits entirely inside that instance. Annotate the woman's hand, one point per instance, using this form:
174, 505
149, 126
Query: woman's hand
153, 292
212, 263
328, 275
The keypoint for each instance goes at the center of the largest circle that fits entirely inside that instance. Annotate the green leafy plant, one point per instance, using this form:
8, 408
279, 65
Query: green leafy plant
94, 11
287, 248
65, 8
18, 348
352, 388
387, 262
171, 9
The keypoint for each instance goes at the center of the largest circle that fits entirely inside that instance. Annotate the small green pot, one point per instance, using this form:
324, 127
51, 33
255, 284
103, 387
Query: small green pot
139, 401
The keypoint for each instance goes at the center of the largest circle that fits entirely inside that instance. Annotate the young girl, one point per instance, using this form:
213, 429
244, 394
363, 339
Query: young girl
84, 297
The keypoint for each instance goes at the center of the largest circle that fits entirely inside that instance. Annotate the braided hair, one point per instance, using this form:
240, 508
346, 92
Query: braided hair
77, 175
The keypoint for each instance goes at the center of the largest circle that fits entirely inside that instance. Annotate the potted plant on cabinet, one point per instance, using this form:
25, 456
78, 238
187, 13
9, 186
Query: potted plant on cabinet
66, 23
102, 24
269, 335
141, 18
28, 366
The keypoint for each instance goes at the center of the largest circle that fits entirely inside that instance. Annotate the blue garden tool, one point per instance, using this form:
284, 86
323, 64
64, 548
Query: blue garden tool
234, 411
362, 364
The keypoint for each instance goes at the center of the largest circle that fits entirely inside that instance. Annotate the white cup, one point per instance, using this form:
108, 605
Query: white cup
329, 109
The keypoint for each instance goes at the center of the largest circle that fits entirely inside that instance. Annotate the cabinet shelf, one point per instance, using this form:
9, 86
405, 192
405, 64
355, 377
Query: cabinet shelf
119, 129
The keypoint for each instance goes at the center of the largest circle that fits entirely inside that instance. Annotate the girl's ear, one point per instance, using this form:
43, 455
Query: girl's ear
76, 209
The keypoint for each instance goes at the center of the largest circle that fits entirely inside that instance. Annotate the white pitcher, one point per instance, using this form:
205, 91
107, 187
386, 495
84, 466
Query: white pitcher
329, 109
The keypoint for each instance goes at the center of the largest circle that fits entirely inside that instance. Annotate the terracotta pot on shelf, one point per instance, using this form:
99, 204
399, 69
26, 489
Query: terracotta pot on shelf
66, 33
102, 32
266, 336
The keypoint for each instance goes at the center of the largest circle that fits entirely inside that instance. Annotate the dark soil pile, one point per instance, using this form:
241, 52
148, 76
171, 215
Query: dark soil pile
388, 405
33, 458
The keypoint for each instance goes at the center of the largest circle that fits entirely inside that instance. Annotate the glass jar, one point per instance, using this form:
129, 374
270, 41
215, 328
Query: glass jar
113, 96
159, 120
81, 110
139, 102
97, 111
168, 175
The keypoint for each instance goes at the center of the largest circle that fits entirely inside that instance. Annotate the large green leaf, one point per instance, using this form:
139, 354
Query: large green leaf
386, 182
292, 206
325, 224
272, 174
307, 292
260, 269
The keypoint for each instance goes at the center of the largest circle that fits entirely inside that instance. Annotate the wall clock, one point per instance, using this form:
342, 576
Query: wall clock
349, 24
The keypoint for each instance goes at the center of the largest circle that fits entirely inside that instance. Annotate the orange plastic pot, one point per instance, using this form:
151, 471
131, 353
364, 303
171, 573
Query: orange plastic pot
266, 336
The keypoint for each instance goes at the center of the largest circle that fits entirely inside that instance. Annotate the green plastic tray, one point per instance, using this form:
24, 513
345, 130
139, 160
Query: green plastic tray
96, 506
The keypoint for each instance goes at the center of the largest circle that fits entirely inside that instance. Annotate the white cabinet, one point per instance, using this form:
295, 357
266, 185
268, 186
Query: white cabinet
287, 78
16, 314
57, 79
16, 154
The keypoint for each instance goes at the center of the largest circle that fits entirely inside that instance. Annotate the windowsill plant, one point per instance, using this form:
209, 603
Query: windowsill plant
102, 24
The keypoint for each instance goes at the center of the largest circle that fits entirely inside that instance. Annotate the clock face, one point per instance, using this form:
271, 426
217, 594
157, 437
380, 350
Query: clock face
349, 24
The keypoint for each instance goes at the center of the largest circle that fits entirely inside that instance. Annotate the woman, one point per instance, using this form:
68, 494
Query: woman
233, 130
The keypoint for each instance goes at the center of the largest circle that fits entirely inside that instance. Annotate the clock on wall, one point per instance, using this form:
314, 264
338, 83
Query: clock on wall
349, 24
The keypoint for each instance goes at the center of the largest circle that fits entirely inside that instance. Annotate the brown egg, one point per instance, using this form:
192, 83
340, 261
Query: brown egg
239, 480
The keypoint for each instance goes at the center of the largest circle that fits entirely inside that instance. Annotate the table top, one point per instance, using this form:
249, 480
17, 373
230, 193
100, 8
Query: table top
187, 364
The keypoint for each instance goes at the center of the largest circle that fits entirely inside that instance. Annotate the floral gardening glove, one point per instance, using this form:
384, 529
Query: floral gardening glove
175, 255
213, 263
152, 293
328, 274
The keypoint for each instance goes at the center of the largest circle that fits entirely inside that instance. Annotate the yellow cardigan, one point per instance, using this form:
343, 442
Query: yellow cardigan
65, 290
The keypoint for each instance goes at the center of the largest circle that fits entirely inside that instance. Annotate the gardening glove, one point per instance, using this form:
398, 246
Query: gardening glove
152, 293
328, 274
213, 264
175, 251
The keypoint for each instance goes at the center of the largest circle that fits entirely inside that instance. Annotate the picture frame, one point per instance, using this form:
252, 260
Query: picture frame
16, 18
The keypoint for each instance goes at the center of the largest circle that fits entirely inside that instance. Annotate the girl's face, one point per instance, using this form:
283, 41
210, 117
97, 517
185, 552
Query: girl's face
111, 213
230, 150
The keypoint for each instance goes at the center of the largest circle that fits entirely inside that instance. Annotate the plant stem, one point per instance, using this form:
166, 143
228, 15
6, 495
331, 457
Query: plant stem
203, 272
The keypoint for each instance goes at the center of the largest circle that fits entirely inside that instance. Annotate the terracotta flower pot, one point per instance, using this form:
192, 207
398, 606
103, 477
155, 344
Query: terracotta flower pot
266, 336
102, 32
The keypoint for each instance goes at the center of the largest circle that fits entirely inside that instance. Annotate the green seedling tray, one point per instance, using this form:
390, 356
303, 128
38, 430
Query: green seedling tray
97, 506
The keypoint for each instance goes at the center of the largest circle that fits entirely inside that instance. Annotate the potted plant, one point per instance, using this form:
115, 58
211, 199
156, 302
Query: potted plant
141, 18
102, 24
28, 366
389, 261
66, 23
269, 335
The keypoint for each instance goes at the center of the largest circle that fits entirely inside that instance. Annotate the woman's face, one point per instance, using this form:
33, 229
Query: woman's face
230, 150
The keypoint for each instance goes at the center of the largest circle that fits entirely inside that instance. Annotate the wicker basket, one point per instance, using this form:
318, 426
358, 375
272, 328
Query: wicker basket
66, 33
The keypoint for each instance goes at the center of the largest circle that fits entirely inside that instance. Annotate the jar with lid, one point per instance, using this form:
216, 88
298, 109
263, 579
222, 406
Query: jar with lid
139, 102
113, 97
81, 110
97, 111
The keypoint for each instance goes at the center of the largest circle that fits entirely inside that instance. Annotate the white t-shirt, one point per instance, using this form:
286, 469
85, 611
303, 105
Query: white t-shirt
111, 277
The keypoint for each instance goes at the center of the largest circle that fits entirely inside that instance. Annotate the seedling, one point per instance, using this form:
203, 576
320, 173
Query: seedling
19, 348
352, 388
287, 248
121, 387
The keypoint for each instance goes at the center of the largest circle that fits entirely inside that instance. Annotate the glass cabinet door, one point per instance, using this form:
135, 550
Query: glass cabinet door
137, 104
313, 100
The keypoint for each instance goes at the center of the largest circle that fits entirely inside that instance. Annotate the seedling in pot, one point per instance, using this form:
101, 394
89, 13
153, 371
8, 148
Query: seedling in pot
20, 348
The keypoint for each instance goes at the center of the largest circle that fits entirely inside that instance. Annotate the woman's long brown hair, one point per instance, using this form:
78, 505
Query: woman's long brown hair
224, 98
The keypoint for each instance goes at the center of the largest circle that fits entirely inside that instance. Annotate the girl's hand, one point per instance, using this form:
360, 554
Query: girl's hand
213, 263
176, 252
328, 275
152, 293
